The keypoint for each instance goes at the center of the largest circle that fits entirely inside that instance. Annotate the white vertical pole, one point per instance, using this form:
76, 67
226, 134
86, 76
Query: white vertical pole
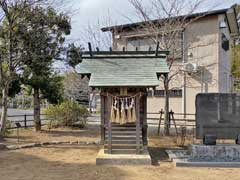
184, 75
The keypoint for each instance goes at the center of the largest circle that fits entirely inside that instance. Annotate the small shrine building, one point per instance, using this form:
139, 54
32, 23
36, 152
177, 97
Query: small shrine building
123, 79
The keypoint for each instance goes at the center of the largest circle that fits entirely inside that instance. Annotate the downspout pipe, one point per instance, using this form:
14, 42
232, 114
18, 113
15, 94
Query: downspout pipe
184, 74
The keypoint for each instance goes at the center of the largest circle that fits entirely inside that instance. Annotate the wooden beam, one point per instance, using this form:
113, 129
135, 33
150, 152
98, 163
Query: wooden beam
122, 57
125, 52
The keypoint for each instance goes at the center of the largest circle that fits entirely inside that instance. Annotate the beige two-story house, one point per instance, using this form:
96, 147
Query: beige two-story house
204, 64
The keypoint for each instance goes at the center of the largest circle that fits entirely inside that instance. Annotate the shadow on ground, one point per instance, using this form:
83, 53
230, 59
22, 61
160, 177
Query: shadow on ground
63, 162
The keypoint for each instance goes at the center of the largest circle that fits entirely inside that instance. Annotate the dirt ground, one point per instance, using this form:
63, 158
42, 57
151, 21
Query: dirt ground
74, 162
90, 133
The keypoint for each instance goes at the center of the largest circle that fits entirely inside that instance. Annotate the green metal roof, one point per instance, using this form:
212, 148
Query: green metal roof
133, 72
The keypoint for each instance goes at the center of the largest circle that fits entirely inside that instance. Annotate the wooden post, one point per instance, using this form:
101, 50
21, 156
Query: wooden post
102, 120
160, 121
169, 120
138, 125
174, 122
25, 121
109, 125
145, 126
156, 53
90, 49
18, 140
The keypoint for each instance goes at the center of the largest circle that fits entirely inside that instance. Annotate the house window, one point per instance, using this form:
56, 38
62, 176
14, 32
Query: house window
161, 93
141, 44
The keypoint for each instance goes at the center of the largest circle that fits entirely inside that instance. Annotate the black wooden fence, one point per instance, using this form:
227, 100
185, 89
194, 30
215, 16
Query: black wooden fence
25, 120
153, 118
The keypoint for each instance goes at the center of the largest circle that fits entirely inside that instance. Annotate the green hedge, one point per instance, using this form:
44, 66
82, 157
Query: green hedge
67, 113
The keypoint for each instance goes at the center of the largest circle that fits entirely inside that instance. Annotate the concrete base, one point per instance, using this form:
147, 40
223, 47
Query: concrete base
216, 151
177, 154
206, 156
123, 159
186, 163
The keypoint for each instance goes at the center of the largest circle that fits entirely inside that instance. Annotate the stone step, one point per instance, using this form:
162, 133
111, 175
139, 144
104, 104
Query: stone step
124, 141
122, 151
122, 129
122, 137
122, 125
123, 146
124, 133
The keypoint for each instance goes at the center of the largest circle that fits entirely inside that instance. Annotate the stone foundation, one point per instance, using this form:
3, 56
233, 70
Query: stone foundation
123, 159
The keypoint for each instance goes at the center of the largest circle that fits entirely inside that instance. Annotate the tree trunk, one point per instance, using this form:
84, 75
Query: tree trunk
36, 102
4, 111
166, 108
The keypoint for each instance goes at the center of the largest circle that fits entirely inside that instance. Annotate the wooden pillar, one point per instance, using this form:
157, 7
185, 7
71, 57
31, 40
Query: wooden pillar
145, 126
102, 119
138, 125
109, 102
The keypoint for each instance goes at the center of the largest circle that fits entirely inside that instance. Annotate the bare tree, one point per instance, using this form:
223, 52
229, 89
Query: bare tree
92, 33
172, 18
75, 87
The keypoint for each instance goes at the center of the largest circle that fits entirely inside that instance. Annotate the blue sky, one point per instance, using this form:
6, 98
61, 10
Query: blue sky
91, 11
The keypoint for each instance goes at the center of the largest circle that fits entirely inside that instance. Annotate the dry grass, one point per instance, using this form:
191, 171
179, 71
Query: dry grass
78, 162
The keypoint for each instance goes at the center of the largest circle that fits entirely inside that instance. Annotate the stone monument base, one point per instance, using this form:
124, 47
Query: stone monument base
199, 155
226, 151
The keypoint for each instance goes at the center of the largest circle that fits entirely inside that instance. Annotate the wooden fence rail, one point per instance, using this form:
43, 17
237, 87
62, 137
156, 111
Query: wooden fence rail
177, 120
24, 120
187, 120
27, 120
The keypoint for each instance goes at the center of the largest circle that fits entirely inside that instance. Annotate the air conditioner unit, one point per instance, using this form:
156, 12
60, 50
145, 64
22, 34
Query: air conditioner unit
117, 36
191, 67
